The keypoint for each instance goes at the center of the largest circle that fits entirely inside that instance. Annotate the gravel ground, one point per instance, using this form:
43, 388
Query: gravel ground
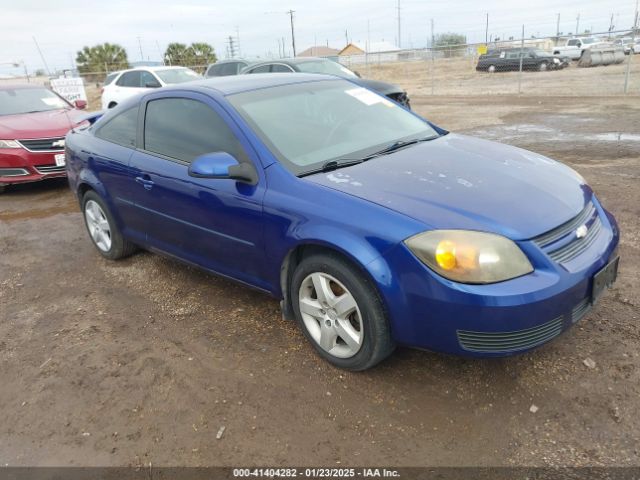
144, 360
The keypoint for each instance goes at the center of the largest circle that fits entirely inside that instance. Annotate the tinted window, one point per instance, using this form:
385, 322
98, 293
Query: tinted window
277, 68
183, 129
129, 79
148, 78
571, 43
121, 129
261, 69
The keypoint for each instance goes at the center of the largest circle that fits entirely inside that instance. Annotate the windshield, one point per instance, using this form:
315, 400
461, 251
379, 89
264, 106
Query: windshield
28, 100
308, 124
326, 66
177, 75
587, 41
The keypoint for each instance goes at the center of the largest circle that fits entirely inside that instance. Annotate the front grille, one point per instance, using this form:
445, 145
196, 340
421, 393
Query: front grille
579, 245
505, 342
13, 172
573, 246
43, 144
50, 169
580, 310
566, 228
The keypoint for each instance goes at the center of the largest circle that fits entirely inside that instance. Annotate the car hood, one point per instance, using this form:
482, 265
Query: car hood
53, 123
461, 182
381, 87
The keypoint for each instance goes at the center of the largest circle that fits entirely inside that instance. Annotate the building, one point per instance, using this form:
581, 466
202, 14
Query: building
319, 51
358, 48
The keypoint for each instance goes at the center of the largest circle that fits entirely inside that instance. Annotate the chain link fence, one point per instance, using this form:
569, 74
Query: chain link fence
534, 67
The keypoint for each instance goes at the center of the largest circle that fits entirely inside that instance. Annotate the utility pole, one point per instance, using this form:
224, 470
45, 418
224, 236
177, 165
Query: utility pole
486, 31
293, 35
521, 58
433, 40
42, 56
558, 29
577, 24
140, 45
611, 25
399, 29
634, 31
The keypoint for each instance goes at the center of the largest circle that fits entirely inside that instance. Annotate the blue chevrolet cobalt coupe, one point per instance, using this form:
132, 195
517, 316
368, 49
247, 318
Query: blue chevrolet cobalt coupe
373, 226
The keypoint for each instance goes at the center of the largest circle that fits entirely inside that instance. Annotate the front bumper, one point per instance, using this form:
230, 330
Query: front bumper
430, 312
18, 165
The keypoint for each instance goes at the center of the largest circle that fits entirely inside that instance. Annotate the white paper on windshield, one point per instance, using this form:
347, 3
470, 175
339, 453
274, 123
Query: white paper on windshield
368, 98
52, 102
364, 95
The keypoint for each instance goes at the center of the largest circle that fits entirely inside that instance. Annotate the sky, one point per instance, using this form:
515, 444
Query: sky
145, 27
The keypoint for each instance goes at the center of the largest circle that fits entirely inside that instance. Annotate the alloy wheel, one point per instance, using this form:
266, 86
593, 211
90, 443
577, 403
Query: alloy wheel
98, 225
331, 315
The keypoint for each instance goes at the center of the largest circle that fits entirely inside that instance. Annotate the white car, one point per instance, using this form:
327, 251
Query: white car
127, 83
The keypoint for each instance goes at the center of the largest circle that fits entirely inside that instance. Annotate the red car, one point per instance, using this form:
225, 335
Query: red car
33, 123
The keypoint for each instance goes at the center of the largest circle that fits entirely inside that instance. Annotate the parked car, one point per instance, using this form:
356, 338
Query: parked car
324, 66
372, 225
33, 123
574, 47
225, 68
127, 83
508, 59
629, 44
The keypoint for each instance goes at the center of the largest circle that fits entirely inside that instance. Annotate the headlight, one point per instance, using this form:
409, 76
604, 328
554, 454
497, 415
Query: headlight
470, 257
9, 144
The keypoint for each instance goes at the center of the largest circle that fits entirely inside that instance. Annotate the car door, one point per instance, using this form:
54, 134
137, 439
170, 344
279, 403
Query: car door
214, 223
114, 143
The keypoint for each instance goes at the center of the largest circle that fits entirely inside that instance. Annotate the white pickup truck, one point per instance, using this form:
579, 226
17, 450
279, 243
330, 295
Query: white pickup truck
575, 46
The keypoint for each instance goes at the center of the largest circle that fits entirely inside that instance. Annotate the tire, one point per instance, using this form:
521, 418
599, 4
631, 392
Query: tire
491, 69
350, 308
543, 67
102, 228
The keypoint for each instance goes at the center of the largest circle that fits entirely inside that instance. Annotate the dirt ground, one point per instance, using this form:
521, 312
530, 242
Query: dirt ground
144, 360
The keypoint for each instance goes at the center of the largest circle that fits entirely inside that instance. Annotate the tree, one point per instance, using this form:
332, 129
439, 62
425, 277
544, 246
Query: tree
196, 54
177, 54
101, 59
452, 44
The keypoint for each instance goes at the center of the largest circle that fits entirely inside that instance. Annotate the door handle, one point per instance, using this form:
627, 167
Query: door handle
145, 181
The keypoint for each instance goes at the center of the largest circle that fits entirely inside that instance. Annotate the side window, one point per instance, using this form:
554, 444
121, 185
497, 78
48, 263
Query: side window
213, 71
147, 78
572, 43
121, 129
129, 79
184, 129
227, 69
280, 68
261, 69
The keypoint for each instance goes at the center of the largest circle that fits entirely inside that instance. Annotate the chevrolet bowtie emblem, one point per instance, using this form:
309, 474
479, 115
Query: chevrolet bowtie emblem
581, 231
58, 143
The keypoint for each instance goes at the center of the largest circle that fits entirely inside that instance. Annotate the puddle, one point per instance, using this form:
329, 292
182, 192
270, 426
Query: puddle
534, 132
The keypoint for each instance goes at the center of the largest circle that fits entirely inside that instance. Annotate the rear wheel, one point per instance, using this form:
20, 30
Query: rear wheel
340, 312
491, 69
543, 66
103, 231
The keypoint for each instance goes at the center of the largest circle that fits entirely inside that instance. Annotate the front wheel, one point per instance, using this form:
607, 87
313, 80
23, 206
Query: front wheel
340, 312
542, 67
102, 228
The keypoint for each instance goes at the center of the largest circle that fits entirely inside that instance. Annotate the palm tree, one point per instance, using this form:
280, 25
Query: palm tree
203, 54
103, 58
177, 54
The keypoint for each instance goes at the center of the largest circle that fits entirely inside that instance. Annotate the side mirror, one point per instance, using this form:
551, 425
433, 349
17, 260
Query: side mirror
152, 85
80, 104
222, 165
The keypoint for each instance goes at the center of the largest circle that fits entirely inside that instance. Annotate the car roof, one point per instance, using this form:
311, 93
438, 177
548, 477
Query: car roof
243, 83
291, 61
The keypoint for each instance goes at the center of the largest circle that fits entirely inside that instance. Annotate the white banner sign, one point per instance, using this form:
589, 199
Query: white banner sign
70, 88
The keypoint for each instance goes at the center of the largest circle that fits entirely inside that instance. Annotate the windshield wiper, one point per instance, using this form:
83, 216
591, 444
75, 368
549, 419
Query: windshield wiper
347, 162
332, 165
